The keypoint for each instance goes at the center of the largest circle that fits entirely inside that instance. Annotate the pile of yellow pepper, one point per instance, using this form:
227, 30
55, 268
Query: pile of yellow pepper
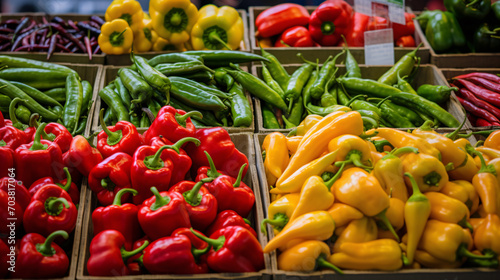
384, 199
170, 25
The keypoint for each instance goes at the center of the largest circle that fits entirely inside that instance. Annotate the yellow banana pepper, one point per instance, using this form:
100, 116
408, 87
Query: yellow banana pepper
317, 225
357, 231
493, 140
428, 171
486, 184
458, 192
308, 122
343, 214
145, 37
449, 210
292, 144
395, 215
314, 196
427, 260
400, 139
350, 149
164, 45
380, 254
280, 210
496, 164
173, 20
217, 28
116, 37
487, 236
276, 158
465, 172
473, 201
490, 152
128, 10
306, 256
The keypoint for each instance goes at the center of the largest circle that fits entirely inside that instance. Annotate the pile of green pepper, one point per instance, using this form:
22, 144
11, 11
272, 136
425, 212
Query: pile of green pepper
190, 81
51, 91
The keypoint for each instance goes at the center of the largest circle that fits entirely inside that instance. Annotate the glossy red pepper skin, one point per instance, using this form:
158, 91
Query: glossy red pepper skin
128, 141
161, 219
110, 176
58, 134
406, 42
7, 162
5, 214
228, 218
170, 124
217, 142
2, 124
135, 267
12, 137
195, 241
297, 36
4, 259
330, 20
120, 217
23, 197
398, 30
41, 219
82, 156
73, 191
181, 161
278, 18
355, 34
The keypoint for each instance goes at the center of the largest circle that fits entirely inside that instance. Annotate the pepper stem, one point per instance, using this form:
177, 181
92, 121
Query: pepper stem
306, 61
36, 146
113, 137
240, 175
212, 172
427, 125
472, 3
485, 168
322, 262
279, 221
417, 194
383, 100
160, 200
215, 243
155, 162
463, 252
355, 98
54, 205
128, 254
432, 179
455, 133
464, 223
330, 182
12, 113
107, 184
118, 197
66, 186
193, 196
383, 218
46, 248
214, 36
399, 151
182, 119
198, 252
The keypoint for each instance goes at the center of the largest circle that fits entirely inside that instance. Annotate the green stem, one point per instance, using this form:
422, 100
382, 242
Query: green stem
197, 253
322, 262
215, 243
240, 175
118, 197
330, 182
305, 60
54, 205
214, 36
113, 137
355, 98
160, 200
485, 168
417, 194
463, 252
454, 134
46, 248
182, 119
128, 254
36, 146
383, 100
383, 218
399, 151
193, 196
432, 179
155, 162
355, 158
472, 3
427, 126
107, 184
464, 223
66, 186
212, 171
12, 113
279, 221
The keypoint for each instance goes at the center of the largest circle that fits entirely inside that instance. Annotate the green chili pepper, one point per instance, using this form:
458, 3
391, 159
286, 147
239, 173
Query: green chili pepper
326, 72
240, 107
404, 67
342, 95
19, 62
154, 107
74, 101
323, 111
268, 78
87, 96
135, 119
145, 122
37, 78
173, 58
122, 92
369, 123
278, 72
5, 100
297, 82
295, 116
208, 116
112, 99
268, 117
223, 79
152, 76
179, 81
393, 117
217, 58
109, 118
438, 94
160, 98
138, 88
196, 97
403, 85
197, 123
15, 117
357, 105
351, 65
23, 113
181, 68
306, 93
329, 97
58, 94
201, 76
369, 113
82, 124
39, 96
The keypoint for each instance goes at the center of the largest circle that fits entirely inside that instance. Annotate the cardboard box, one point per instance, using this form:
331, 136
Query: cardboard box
288, 55
110, 73
426, 74
243, 143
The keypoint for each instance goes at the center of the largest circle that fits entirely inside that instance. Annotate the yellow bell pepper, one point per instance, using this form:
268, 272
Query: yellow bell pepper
306, 256
395, 215
448, 209
173, 20
486, 184
487, 235
145, 37
493, 140
217, 28
128, 10
308, 122
315, 195
292, 144
428, 171
400, 139
473, 198
116, 37
380, 254
343, 214
427, 260
350, 149
357, 231
163, 45
280, 210
317, 225
276, 158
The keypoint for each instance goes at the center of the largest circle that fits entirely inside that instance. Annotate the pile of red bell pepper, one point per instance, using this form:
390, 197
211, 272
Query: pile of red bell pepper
172, 201
291, 25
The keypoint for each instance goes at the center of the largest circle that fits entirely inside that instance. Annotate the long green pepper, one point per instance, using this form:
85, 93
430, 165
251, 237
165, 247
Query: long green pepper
325, 74
123, 92
39, 96
403, 67
268, 78
74, 102
112, 99
240, 107
278, 72
152, 76
138, 88
297, 82
268, 117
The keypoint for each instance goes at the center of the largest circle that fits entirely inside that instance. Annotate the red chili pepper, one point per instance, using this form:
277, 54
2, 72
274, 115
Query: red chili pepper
398, 30
110, 176
122, 218
330, 20
469, 96
58, 134
277, 19
201, 205
40, 158
123, 137
23, 197
473, 109
406, 42
7, 162
66, 184
234, 249
488, 76
40, 257
228, 218
217, 142
163, 213
355, 34
197, 242
11, 137
152, 166
485, 83
172, 124
4, 259
82, 156
483, 122
297, 36
181, 161
108, 256
6, 212
50, 209
174, 255
485, 94
208, 171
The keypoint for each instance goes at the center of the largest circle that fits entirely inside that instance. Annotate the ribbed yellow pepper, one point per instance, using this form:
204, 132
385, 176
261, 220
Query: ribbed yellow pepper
357, 231
173, 20
306, 256
486, 184
350, 149
315, 195
457, 192
128, 10
116, 37
276, 159
428, 171
164, 45
427, 260
448, 209
343, 214
280, 212
465, 172
145, 37
217, 28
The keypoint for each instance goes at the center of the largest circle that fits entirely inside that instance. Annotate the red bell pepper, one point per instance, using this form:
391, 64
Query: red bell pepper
234, 249
355, 34
7, 160
217, 142
208, 171
134, 263
11, 215
398, 30
51, 209
406, 42
59, 134
120, 217
277, 19
108, 256
66, 184
232, 194
163, 213
123, 137
330, 20
174, 255
4, 257
82, 156
38, 159
152, 166
228, 218
181, 161
110, 176
197, 242
40, 257
16, 188
172, 124
201, 205
2, 124
11, 137
297, 36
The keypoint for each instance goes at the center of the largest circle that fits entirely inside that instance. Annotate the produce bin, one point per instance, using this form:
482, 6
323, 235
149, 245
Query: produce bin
124, 59
288, 55
424, 273
110, 73
244, 143
80, 58
426, 74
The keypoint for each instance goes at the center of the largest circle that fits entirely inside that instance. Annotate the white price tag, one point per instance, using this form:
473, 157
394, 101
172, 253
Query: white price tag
379, 47
393, 9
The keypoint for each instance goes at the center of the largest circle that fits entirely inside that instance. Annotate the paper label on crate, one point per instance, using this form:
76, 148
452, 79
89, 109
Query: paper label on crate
394, 10
379, 47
